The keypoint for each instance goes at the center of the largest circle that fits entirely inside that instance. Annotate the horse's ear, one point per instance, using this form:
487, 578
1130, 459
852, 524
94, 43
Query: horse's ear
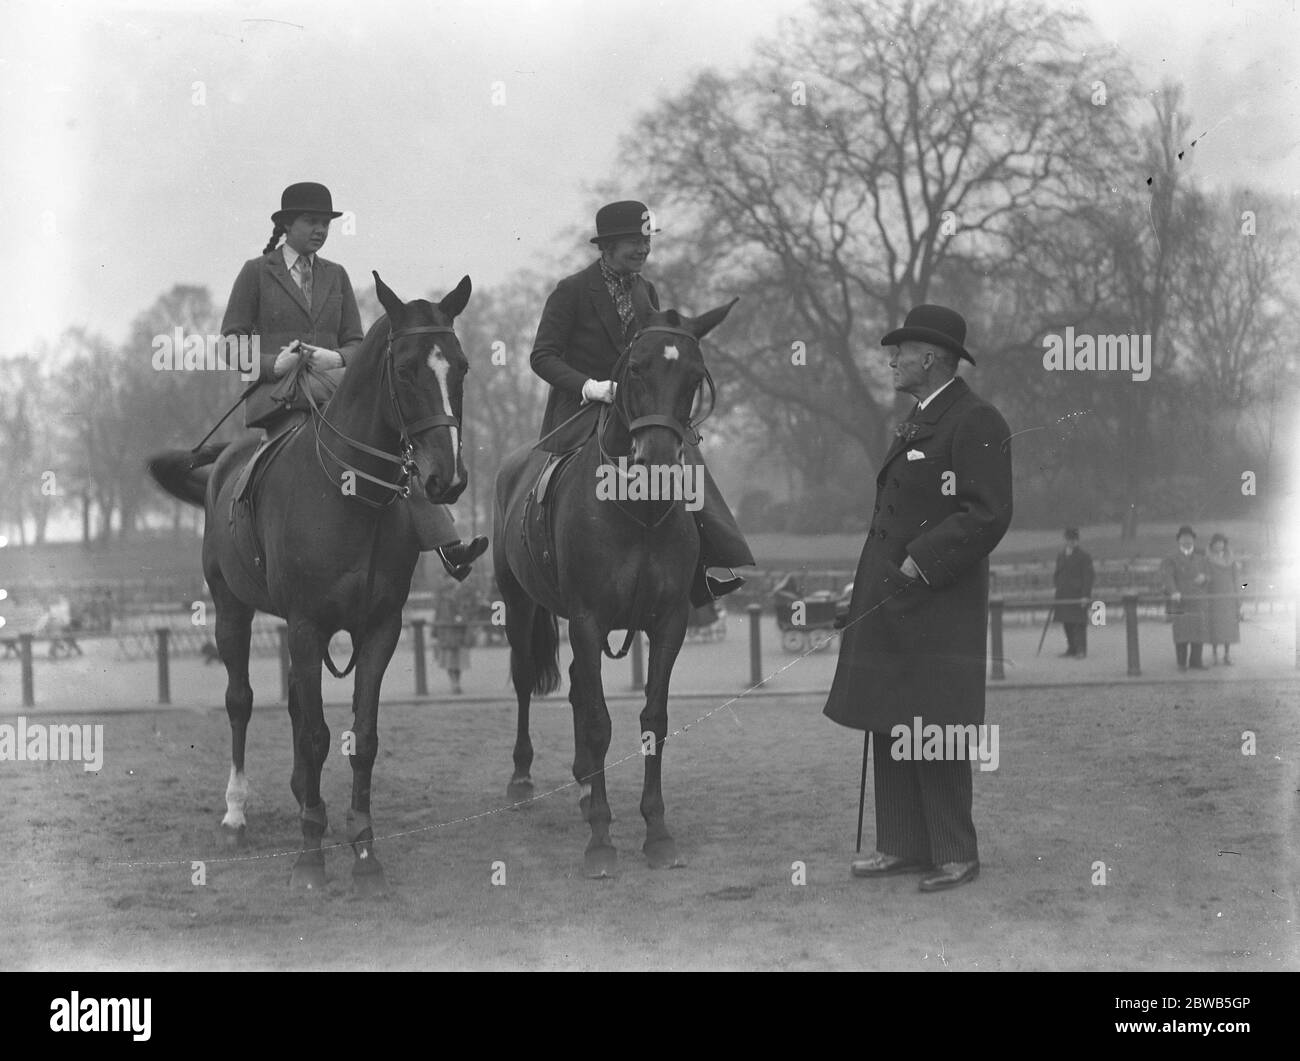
391, 303
703, 324
456, 300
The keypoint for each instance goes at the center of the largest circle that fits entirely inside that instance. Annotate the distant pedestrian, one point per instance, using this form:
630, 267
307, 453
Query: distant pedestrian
451, 648
1225, 583
1073, 579
1186, 578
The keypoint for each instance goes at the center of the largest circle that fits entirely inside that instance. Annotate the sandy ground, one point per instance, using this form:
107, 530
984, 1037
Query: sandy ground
1198, 841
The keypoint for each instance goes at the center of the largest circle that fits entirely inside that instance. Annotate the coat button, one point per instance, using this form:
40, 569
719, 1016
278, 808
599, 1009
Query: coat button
883, 535
891, 510
871, 534
893, 483
876, 509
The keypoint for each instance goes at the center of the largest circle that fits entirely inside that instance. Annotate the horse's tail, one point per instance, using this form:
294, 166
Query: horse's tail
545, 650
176, 473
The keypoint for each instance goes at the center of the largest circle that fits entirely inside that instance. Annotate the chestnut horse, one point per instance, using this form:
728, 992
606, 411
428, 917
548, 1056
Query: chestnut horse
325, 548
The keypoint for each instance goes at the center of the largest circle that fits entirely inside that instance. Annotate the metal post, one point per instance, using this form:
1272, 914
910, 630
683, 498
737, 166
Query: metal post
1297, 634
1131, 633
421, 674
996, 605
755, 613
29, 681
638, 664
284, 663
164, 666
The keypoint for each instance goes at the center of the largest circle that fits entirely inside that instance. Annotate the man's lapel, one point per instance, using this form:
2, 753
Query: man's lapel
604, 306
275, 262
926, 420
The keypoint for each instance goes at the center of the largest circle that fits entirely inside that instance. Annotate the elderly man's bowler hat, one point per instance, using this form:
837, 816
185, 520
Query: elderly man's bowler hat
932, 324
626, 218
305, 197
1185, 529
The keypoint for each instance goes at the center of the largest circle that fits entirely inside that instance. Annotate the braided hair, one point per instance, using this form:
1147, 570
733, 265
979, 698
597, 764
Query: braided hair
273, 242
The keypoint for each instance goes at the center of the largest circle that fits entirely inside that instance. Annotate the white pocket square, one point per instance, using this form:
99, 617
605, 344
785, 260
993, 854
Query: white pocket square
915, 455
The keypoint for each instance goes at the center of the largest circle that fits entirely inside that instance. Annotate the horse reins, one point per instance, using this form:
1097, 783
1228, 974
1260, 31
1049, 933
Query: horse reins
404, 460
407, 432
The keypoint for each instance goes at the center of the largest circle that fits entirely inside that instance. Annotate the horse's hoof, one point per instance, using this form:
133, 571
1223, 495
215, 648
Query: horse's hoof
234, 835
663, 854
599, 861
309, 875
520, 789
368, 879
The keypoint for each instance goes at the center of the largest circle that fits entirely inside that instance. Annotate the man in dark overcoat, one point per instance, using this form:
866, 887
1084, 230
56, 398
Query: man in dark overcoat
587, 323
912, 652
1073, 579
1186, 576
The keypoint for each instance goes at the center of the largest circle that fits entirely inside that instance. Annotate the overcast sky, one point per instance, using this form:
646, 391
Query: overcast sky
117, 184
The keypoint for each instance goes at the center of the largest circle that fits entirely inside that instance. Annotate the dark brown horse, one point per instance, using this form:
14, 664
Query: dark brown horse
618, 564
330, 551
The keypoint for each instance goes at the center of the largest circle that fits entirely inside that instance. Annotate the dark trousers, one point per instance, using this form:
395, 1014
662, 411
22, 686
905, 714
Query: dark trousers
1180, 651
923, 809
1076, 638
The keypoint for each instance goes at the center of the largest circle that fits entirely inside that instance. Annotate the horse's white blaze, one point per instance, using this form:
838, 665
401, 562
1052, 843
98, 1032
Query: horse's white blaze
670, 353
236, 797
440, 368
584, 791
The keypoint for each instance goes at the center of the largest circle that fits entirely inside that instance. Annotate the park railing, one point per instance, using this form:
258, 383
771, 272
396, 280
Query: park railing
1133, 604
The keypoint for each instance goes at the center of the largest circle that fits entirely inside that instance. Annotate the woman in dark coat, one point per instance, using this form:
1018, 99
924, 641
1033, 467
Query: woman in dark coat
1186, 577
1225, 580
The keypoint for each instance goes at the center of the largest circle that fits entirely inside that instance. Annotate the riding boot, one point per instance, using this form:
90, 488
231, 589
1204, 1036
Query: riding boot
435, 529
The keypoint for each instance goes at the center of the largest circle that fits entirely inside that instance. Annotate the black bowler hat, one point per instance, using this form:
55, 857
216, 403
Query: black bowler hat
1071, 534
932, 324
1185, 529
305, 197
626, 218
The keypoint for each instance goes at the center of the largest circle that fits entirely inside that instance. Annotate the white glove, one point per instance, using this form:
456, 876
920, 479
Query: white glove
324, 359
598, 390
288, 357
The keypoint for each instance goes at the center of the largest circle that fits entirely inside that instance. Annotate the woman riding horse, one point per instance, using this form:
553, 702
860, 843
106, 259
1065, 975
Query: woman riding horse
587, 324
302, 307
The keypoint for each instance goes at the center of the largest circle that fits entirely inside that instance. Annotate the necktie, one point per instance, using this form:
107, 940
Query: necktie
304, 276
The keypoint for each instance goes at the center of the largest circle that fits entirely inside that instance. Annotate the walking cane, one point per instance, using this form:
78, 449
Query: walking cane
1050, 612
862, 791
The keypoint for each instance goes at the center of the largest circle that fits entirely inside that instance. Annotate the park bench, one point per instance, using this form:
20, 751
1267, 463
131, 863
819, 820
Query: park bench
35, 621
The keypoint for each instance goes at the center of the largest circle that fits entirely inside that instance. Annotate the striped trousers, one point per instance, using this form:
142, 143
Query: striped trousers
923, 809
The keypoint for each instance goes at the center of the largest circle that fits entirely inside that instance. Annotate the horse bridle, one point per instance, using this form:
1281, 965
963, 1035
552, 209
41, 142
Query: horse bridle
405, 459
688, 433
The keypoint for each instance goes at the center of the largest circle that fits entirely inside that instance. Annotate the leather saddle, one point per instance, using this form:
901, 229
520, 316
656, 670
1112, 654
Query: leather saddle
538, 524
243, 525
